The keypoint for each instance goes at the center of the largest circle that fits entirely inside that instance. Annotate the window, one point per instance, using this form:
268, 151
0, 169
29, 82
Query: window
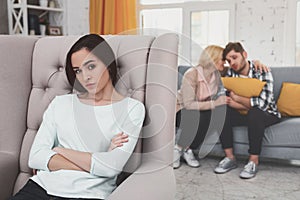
197, 22
149, 2
204, 30
155, 18
153, 2
298, 35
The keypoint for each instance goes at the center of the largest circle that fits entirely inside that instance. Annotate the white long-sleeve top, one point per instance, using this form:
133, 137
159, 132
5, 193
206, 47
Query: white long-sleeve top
71, 124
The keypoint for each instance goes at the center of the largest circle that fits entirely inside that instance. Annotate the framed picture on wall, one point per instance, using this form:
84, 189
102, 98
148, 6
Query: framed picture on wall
55, 30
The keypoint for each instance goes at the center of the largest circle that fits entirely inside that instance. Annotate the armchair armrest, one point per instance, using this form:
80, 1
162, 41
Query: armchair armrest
8, 173
150, 181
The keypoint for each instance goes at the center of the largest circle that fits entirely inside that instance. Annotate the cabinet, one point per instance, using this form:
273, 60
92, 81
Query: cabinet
25, 18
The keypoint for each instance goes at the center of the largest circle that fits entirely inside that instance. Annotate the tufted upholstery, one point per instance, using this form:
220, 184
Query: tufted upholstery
35, 74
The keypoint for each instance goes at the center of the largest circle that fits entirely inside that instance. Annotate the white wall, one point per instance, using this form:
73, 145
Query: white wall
77, 17
263, 26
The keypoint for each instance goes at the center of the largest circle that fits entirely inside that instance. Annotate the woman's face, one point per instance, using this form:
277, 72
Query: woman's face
220, 65
90, 71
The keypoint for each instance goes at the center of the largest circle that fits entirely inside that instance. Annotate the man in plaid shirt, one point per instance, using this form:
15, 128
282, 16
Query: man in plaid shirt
262, 111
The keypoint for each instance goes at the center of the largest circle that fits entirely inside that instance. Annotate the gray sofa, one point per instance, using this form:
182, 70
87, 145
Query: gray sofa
32, 74
282, 140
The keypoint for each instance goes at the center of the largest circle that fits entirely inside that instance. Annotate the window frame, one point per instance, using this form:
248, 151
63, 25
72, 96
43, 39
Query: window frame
297, 35
187, 9
289, 40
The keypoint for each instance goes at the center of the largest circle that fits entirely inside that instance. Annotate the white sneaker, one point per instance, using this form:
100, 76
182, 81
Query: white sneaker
225, 165
249, 170
177, 155
190, 159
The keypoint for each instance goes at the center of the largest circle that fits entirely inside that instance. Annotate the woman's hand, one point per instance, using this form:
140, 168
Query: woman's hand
231, 99
231, 103
233, 96
221, 100
260, 66
118, 140
238, 102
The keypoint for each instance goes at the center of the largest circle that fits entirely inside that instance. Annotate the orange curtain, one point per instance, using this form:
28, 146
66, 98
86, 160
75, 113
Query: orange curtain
112, 16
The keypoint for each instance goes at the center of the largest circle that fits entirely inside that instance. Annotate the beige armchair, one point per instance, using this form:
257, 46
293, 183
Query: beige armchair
32, 74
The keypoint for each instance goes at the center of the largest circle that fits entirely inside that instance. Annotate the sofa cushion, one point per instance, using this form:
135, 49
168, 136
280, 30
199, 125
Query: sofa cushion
288, 102
275, 135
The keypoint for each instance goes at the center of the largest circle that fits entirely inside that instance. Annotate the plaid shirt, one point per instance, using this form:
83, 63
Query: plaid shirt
265, 101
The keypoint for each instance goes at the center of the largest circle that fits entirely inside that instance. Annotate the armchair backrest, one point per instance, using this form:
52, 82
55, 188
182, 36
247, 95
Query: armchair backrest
15, 87
36, 74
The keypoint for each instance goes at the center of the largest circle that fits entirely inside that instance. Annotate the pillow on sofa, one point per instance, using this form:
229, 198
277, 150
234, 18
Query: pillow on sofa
289, 99
246, 87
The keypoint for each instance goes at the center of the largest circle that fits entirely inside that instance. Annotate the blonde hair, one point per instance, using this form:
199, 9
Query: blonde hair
210, 56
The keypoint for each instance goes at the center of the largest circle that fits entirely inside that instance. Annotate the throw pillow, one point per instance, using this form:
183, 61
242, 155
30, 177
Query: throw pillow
289, 99
246, 87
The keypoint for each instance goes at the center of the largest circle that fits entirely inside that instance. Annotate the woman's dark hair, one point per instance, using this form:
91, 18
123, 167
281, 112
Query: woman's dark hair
236, 46
101, 49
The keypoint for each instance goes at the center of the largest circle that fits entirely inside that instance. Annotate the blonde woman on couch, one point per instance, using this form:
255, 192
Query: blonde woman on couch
196, 99
201, 92
85, 138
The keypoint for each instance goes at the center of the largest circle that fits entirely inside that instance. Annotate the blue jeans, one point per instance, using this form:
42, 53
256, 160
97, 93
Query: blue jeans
32, 191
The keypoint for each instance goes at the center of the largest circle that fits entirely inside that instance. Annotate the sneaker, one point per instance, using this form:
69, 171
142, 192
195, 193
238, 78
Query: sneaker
249, 170
190, 159
225, 165
177, 155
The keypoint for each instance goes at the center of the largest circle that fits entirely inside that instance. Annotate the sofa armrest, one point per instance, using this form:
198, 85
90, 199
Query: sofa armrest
8, 174
148, 182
